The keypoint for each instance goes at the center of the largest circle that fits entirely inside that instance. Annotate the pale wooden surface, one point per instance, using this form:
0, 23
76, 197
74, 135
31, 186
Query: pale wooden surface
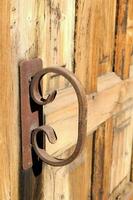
106, 34
69, 182
56, 21
9, 123
127, 193
124, 193
55, 34
122, 144
94, 41
85, 44
23, 24
23, 36
79, 34
80, 175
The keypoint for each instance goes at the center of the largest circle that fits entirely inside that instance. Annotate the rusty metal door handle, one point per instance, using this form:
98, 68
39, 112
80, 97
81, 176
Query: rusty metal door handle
30, 76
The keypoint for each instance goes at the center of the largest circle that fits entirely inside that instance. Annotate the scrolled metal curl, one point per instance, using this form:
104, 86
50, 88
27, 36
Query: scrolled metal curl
82, 114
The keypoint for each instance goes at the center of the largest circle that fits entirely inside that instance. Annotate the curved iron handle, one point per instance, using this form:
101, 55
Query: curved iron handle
82, 113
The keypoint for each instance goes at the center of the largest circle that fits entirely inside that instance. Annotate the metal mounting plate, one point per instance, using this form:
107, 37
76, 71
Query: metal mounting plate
31, 116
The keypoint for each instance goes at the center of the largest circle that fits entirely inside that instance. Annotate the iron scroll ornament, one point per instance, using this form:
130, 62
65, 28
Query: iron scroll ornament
47, 130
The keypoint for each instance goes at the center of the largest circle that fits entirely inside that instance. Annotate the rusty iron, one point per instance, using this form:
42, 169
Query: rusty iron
32, 102
30, 111
82, 112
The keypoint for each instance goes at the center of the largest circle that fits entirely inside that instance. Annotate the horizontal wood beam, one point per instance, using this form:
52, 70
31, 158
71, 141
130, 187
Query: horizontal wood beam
113, 95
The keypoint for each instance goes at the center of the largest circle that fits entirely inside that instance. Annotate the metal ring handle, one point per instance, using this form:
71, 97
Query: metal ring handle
82, 113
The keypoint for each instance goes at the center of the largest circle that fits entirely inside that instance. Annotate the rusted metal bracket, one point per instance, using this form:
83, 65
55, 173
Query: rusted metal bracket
32, 103
31, 113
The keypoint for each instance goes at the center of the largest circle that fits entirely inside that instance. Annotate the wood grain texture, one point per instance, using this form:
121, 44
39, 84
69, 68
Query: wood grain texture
86, 38
72, 181
124, 38
80, 174
117, 191
130, 31
124, 193
121, 28
23, 29
9, 123
94, 40
56, 21
122, 144
46, 29
106, 35
131, 175
102, 155
127, 193
23, 36
129, 40
63, 112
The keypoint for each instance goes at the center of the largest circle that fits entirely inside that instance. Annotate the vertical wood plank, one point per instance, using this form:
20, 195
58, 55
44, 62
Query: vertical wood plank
130, 32
86, 40
72, 181
106, 35
24, 29
121, 28
80, 173
23, 36
124, 35
122, 145
94, 40
102, 161
9, 123
55, 31
56, 21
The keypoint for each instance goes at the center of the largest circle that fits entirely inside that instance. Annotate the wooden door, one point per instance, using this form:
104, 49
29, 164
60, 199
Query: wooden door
94, 39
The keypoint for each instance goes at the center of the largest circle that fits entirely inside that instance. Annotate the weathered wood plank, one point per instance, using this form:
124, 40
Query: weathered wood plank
106, 35
124, 38
122, 121
25, 33
23, 36
121, 28
55, 30
94, 40
102, 157
86, 39
129, 46
23, 29
9, 124
122, 145
80, 173
72, 181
